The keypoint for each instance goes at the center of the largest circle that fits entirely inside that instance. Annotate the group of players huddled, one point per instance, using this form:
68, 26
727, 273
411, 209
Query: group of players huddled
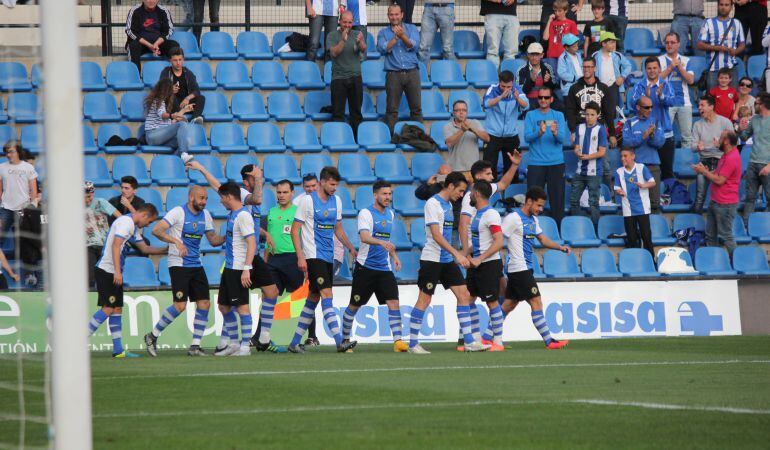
300, 239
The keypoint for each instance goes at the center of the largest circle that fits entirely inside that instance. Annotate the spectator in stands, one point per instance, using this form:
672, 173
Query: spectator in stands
745, 99
766, 44
162, 127
185, 86
127, 202
536, 74
758, 170
148, 28
437, 14
571, 8
593, 29
753, 17
501, 29
633, 183
98, 213
347, 47
462, 138
7, 267
586, 90
617, 11
688, 20
679, 76
18, 185
612, 68
407, 6
398, 42
663, 97
570, 64
590, 145
546, 131
434, 184
722, 38
558, 25
358, 9
503, 102
706, 135
724, 193
198, 16
724, 94
645, 136
321, 14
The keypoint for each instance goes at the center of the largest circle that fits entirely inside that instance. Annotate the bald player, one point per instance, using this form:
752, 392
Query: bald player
183, 228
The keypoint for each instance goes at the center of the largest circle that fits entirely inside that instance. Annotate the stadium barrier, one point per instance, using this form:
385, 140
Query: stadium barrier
586, 310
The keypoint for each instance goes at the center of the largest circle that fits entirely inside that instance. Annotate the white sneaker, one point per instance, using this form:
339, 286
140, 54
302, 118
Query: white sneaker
186, 157
198, 120
476, 346
418, 350
243, 350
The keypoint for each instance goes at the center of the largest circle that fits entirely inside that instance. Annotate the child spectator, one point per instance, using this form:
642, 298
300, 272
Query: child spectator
726, 96
590, 147
570, 64
632, 184
593, 29
558, 25
612, 68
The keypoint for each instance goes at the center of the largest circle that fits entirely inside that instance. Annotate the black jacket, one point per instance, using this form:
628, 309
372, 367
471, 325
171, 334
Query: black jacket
526, 81
136, 22
582, 93
189, 77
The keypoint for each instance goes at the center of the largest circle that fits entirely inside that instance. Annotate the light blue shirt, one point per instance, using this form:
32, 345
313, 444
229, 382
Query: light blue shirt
501, 118
545, 150
399, 57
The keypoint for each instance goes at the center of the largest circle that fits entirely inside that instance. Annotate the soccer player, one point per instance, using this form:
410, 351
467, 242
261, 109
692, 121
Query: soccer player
187, 225
437, 263
521, 228
319, 218
109, 272
483, 276
373, 273
240, 248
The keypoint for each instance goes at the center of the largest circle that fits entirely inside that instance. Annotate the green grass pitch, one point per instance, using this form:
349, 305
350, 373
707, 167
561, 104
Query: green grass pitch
622, 393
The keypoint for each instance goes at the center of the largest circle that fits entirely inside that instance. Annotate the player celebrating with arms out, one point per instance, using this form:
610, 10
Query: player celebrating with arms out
373, 273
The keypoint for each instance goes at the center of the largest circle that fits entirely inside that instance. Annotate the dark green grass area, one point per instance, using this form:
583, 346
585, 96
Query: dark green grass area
595, 394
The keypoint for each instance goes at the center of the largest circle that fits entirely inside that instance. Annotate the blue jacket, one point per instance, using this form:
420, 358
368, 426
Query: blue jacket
502, 118
646, 149
660, 104
545, 150
566, 71
620, 63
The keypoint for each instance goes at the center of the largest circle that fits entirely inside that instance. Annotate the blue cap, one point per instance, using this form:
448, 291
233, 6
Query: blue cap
569, 39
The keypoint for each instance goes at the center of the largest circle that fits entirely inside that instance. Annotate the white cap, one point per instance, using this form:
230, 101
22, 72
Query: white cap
535, 47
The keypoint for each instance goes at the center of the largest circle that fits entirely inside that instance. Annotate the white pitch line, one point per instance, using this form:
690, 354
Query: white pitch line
433, 368
645, 405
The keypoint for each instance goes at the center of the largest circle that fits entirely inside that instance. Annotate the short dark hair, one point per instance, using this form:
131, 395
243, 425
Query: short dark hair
454, 179
535, 193
725, 71
175, 51
149, 208
330, 173
231, 189
764, 100
484, 188
506, 76
480, 166
708, 98
459, 101
245, 170
732, 138
545, 88
595, 106
650, 60
379, 184
746, 78
309, 177
287, 182
628, 149
128, 179
673, 33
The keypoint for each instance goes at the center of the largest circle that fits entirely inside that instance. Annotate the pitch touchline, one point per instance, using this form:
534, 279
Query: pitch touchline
417, 369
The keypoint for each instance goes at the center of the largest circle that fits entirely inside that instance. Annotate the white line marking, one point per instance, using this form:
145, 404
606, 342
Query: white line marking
419, 369
724, 409
18, 418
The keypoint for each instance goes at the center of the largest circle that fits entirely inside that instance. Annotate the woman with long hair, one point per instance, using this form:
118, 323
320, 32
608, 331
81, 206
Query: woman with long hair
18, 185
162, 127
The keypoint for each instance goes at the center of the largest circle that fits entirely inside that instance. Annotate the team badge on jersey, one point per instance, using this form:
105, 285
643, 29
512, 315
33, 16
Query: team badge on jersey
384, 223
326, 213
195, 225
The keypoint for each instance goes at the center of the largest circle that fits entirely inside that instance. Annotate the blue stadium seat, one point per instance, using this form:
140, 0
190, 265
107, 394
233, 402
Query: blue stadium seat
750, 260
405, 203
355, 169
599, 263
253, 45
437, 134
481, 73
424, 165
146, 148
213, 264
684, 256
235, 163
216, 108
683, 221
403, 106
301, 137
533, 32
279, 40
373, 74
212, 165
32, 138
425, 82
304, 75
739, 231
132, 106
176, 197
467, 45
713, 261
139, 272
168, 170
550, 229
13, 77
367, 108
685, 207
338, 137
228, 138
203, 74
578, 231
285, 107
152, 195
399, 237
756, 67
23, 108
264, 137
640, 42
189, 43
327, 73
278, 167
100, 107
268, 201
410, 264
517, 189
560, 265
661, 232
348, 210
512, 65
759, 226
745, 157
417, 232
433, 107
447, 74
740, 68
364, 197
124, 76
89, 141
3, 116
436, 48
636, 262
36, 75
375, 137
108, 130
91, 78
106, 193
315, 101
393, 168
611, 225
471, 99
351, 230
200, 143
269, 75
218, 45
151, 72
7, 132
371, 47
96, 171
313, 163
233, 75
400, 126
215, 206
130, 165
249, 107
698, 64
682, 160
163, 274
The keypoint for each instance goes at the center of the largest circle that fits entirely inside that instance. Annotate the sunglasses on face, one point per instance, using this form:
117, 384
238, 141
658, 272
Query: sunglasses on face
645, 106
748, 85
543, 97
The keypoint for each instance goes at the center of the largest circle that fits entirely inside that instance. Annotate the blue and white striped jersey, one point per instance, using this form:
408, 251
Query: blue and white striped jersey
318, 220
125, 228
239, 227
485, 224
590, 139
190, 228
439, 212
712, 32
521, 230
636, 201
379, 225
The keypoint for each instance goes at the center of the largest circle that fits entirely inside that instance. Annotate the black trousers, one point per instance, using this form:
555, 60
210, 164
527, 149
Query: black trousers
402, 82
350, 91
753, 18
407, 6
136, 50
552, 179
198, 102
666, 154
94, 253
198, 16
500, 144
636, 227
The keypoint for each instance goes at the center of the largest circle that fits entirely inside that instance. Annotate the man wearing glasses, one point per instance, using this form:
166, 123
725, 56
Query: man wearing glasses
461, 136
645, 135
586, 90
679, 76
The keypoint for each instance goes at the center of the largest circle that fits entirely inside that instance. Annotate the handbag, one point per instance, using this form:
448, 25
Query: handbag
702, 83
